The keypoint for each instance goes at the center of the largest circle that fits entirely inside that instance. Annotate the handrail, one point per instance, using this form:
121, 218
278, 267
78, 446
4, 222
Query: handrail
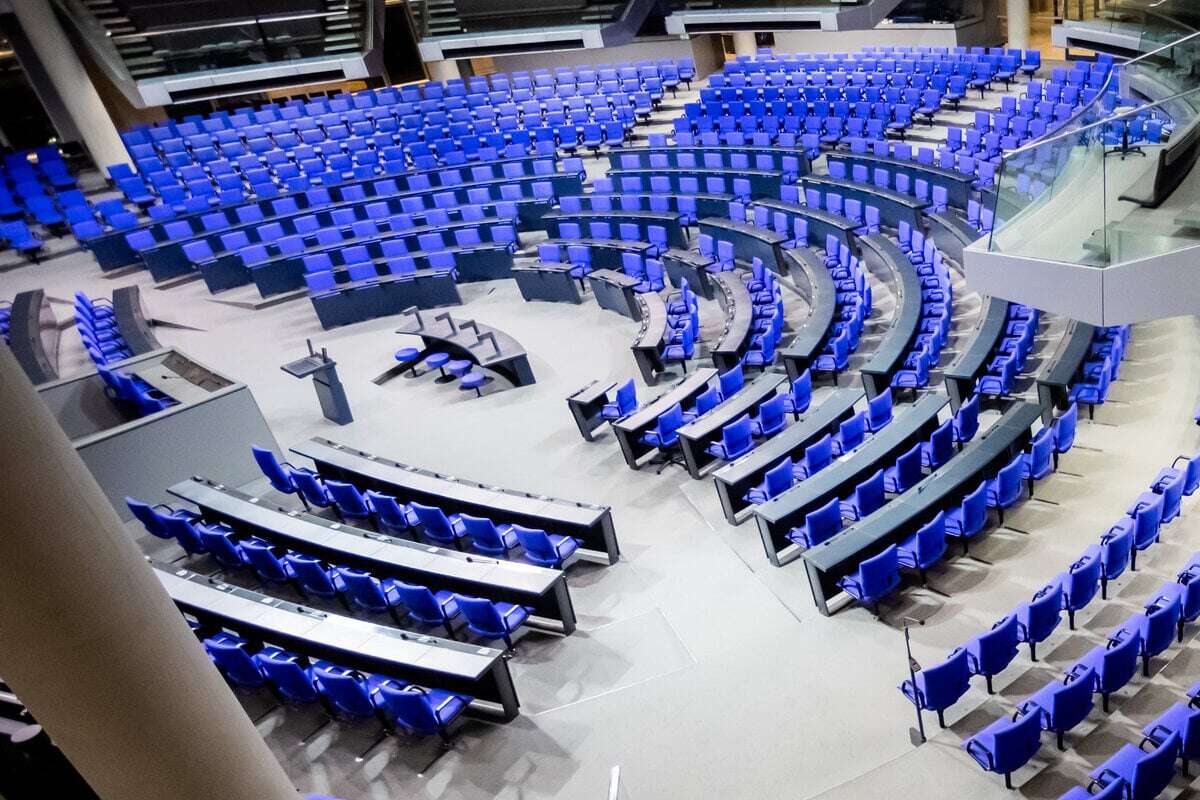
226, 24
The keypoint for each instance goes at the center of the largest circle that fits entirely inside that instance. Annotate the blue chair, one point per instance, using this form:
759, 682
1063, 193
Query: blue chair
940, 447
706, 401
1170, 486
422, 711
1113, 791
989, 653
1157, 628
1180, 719
311, 488
1115, 552
349, 694
1005, 489
150, 516
966, 421
349, 504
665, 435
391, 516
778, 479
730, 382
968, 518
316, 578
487, 537
737, 439
1006, 745
799, 397
1038, 462
817, 456
369, 593
819, 525
875, 579
218, 542
940, 686
1113, 663
869, 496
1147, 517
1064, 431
771, 418
492, 620
879, 411
1037, 618
545, 549
280, 479
1186, 591
924, 548
905, 473
1146, 775
232, 658
851, 433
1062, 705
439, 527
623, 405
1079, 584
289, 676
1191, 473
428, 607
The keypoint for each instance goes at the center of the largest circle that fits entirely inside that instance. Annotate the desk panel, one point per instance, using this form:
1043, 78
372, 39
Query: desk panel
894, 207
906, 322
1054, 381
629, 430
734, 298
972, 361
808, 273
957, 185
749, 241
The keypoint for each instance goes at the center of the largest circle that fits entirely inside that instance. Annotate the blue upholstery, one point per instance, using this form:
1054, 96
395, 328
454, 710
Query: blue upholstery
940, 686
312, 577
428, 607
1147, 774
438, 526
966, 421
390, 515
924, 548
1062, 704
545, 549
799, 396
737, 439
989, 653
817, 456
819, 525
1180, 719
623, 405
347, 502
421, 711
879, 411
940, 447
1038, 462
491, 620
875, 579
1037, 618
1147, 513
869, 496
968, 518
1115, 552
905, 473
1006, 745
487, 537
778, 479
851, 433
1079, 584
771, 418
1005, 489
1113, 663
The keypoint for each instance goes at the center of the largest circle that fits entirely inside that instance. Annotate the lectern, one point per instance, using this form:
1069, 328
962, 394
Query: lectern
330, 392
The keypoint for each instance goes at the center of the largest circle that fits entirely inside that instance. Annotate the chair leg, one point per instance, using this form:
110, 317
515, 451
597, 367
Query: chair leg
508, 642
1146, 665
303, 501
1071, 618
449, 629
1105, 698
989, 684
374, 744
1033, 651
1060, 741
941, 718
1103, 588
1008, 780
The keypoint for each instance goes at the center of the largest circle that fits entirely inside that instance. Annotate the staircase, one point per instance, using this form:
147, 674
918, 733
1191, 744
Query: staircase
137, 52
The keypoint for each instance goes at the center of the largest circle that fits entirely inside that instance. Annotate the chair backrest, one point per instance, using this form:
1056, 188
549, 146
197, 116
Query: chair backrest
536, 542
410, 706
311, 574
347, 498
482, 614
968, 418
869, 495
419, 601
879, 573
819, 455
347, 691
731, 382
284, 671
148, 516
364, 588
1071, 702
943, 684
1010, 481
432, 518
1119, 663
738, 436
879, 409
1115, 548
234, 662
1082, 582
908, 468
779, 478
387, 510
853, 431
1017, 742
1045, 611
1154, 771
481, 530
706, 401
931, 540
1160, 624
941, 444
824, 522
802, 393
1064, 428
998, 647
262, 559
771, 413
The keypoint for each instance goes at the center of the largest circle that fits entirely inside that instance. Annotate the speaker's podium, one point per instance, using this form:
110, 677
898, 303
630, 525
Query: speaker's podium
330, 392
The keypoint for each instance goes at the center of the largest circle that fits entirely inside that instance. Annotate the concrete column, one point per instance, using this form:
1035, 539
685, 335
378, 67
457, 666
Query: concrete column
72, 82
91, 642
443, 70
1018, 23
744, 43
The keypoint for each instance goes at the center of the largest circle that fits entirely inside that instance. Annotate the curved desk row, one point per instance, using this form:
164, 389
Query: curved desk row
808, 275
167, 259
651, 336
550, 282
227, 268
629, 430
604, 253
906, 323
350, 193
592, 524
762, 183
469, 669
671, 222
771, 159
737, 478
957, 185
958, 234
893, 206
33, 336
1054, 380
385, 296
467, 339
486, 261
821, 223
972, 362
131, 322
543, 590
735, 301
900, 518
778, 516
749, 241
706, 429
703, 204
614, 290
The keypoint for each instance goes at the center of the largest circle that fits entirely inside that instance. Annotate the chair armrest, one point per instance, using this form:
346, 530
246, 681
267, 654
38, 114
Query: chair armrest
974, 748
449, 699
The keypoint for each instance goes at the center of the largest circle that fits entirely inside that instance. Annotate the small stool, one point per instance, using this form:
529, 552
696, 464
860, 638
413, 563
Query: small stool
472, 380
459, 367
408, 357
438, 361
